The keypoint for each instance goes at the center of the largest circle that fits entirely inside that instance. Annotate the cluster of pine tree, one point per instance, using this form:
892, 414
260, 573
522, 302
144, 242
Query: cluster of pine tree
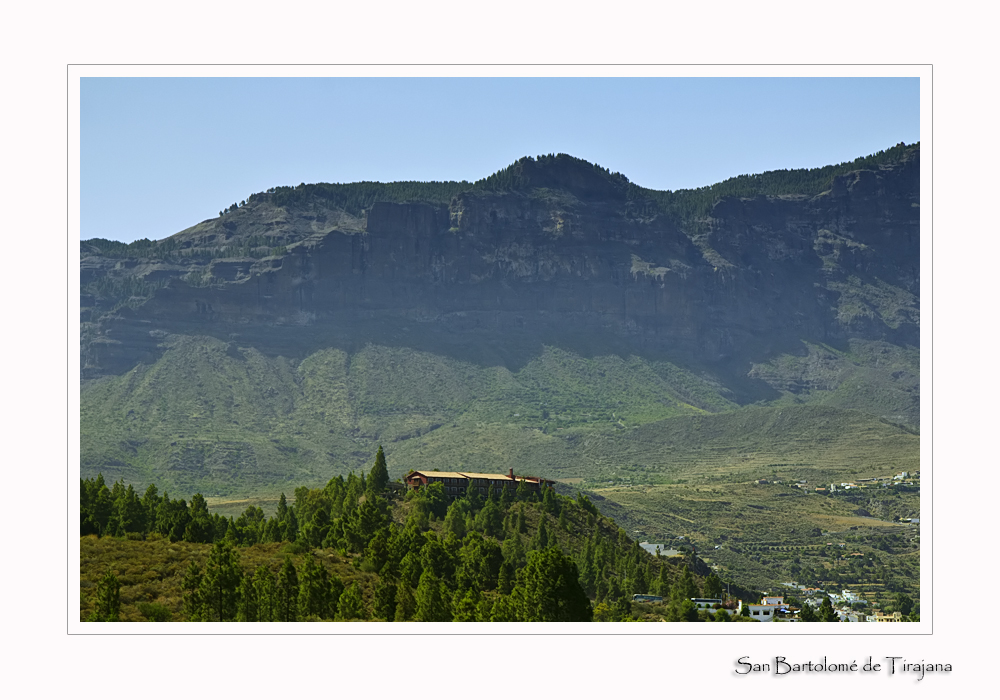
120, 512
141, 248
508, 555
356, 197
826, 613
169, 249
518, 175
681, 205
222, 591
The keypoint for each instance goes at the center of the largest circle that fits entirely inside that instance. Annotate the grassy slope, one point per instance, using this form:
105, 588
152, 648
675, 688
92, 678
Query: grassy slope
870, 376
817, 443
223, 419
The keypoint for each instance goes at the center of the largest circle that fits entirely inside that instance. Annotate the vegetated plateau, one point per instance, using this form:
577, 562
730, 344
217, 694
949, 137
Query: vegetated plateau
674, 355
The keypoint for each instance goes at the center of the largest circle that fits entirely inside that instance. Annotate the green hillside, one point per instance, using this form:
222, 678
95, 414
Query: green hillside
225, 420
356, 550
817, 443
222, 419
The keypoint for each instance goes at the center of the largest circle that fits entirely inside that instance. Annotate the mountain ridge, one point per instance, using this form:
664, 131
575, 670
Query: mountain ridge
805, 292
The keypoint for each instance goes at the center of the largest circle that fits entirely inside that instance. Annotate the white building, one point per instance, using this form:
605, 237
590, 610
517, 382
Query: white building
764, 613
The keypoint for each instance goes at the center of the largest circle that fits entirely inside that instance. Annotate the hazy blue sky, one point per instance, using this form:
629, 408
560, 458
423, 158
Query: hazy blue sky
161, 154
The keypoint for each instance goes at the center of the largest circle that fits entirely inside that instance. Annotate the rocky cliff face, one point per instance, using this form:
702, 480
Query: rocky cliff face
495, 275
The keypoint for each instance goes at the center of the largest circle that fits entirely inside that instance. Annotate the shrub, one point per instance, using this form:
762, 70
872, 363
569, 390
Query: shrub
154, 612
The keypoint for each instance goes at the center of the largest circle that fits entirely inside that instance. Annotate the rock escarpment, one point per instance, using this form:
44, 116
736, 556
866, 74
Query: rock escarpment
564, 255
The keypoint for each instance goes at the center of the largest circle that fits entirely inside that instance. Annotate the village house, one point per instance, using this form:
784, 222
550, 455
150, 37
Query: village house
764, 613
850, 597
457, 483
664, 551
879, 617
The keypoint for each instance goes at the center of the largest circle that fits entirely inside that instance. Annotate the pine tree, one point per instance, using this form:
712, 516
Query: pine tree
688, 588
406, 604
194, 602
405, 541
662, 585
904, 603
588, 573
336, 590
467, 609
199, 529
221, 582
432, 606
290, 531
411, 568
826, 611
480, 563
506, 497
378, 478
513, 551
107, 599
247, 609
384, 605
713, 586
150, 504
351, 606
541, 538
314, 589
807, 614
264, 594
522, 494
368, 519
489, 520
550, 501
548, 589
454, 519
127, 513
437, 558
681, 608
282, 513
505, 581
287, 593
621, 609
504, 610
270, 532
472, 496
376, 554
563, 522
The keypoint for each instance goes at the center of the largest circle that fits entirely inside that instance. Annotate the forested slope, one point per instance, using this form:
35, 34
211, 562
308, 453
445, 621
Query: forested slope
358, 550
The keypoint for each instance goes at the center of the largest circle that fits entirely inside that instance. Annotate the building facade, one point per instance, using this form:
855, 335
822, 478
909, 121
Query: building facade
457, 483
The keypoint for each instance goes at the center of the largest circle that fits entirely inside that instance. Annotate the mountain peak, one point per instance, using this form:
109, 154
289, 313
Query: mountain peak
559, 171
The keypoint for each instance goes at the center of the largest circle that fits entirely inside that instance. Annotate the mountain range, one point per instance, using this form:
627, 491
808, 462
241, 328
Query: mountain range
514, 322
